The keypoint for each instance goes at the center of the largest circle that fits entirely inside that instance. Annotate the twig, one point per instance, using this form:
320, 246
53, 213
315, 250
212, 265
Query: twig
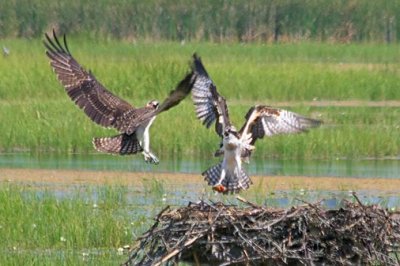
177, 250
357, 199
248, 202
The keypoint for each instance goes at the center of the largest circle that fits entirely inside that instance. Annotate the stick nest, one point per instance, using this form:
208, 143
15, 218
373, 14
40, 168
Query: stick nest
309, 234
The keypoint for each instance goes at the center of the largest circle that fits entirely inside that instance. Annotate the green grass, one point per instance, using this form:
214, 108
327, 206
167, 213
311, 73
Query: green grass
37, 115
43, 226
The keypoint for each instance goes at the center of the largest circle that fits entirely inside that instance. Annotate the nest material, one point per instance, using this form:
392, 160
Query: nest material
308, 234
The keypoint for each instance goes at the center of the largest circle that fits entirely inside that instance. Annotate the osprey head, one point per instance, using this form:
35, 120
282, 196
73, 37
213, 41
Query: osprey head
153, 104
231, 138
230, 130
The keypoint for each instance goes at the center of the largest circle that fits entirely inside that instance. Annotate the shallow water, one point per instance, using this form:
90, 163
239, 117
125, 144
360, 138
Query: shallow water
182, 195
367, 168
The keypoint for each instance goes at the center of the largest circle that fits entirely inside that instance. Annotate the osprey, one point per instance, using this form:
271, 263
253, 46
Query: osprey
108, 110
236, 147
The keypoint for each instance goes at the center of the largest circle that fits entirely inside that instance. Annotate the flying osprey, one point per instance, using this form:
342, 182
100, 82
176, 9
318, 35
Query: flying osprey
229, 175
108, 110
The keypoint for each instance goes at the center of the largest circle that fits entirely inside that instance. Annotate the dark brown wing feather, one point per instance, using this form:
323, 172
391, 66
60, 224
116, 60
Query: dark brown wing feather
266, 121
101, 106
178, 94
122, 144
133, 118
175, 97
209, 104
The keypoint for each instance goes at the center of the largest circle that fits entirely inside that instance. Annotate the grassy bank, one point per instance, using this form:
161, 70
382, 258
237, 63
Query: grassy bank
37, 115
74, 226
69, 224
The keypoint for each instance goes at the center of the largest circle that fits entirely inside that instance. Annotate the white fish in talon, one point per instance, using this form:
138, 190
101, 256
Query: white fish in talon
228, 176
108, 110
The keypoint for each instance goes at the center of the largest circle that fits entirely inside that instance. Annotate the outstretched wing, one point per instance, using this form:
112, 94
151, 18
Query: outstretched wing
100, 105
175, 97
266, 121
209, 104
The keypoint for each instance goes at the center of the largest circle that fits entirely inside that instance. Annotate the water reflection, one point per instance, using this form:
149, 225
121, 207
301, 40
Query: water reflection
144, 202
335, 168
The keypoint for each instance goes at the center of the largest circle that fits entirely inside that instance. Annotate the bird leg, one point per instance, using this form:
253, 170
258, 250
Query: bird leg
218, 186
149, 157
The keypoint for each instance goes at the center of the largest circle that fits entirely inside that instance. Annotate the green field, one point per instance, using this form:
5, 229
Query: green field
36, 114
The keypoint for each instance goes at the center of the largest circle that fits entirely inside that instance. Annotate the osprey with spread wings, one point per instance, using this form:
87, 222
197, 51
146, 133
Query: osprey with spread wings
108, 110
229, 175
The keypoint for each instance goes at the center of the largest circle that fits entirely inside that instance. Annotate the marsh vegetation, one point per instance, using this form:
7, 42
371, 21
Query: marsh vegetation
39, 117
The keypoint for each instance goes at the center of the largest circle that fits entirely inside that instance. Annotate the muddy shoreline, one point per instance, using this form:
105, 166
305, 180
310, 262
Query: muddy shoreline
74, 177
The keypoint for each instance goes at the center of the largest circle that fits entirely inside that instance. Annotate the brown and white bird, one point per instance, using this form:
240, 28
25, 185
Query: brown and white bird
108, 110
229, 176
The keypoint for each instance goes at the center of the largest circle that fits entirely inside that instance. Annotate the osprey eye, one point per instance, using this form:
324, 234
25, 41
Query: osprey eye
226, 133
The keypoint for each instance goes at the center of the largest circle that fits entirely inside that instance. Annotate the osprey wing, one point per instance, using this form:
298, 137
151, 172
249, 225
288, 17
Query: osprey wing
100, 105
266, 121
175, 97
209, 104
178, 94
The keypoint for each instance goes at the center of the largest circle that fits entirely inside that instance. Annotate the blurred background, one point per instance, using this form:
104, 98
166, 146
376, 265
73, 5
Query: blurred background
215, 21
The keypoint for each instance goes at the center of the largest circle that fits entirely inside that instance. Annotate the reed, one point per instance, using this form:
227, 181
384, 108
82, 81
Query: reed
216, 21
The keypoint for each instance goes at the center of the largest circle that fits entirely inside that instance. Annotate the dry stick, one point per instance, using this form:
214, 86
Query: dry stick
357, 199
147, 235
248, 241
318, 211
151, 230
177, 250
241, 260
179, 241
248, 202
284, 216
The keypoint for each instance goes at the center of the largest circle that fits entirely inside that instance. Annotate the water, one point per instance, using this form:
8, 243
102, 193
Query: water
367, 168
193, 192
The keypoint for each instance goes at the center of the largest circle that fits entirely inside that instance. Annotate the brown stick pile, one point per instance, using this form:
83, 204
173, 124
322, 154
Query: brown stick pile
307, 234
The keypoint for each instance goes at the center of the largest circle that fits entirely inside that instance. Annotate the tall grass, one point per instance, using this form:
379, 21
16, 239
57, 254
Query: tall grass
219, 21
32, 219
37, 115
46, 225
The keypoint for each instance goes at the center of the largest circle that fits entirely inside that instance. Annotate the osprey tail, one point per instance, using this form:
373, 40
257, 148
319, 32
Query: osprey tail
231, 183
122, 144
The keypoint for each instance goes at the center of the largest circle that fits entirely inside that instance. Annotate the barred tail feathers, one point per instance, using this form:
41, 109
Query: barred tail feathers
122, 144
231, 183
